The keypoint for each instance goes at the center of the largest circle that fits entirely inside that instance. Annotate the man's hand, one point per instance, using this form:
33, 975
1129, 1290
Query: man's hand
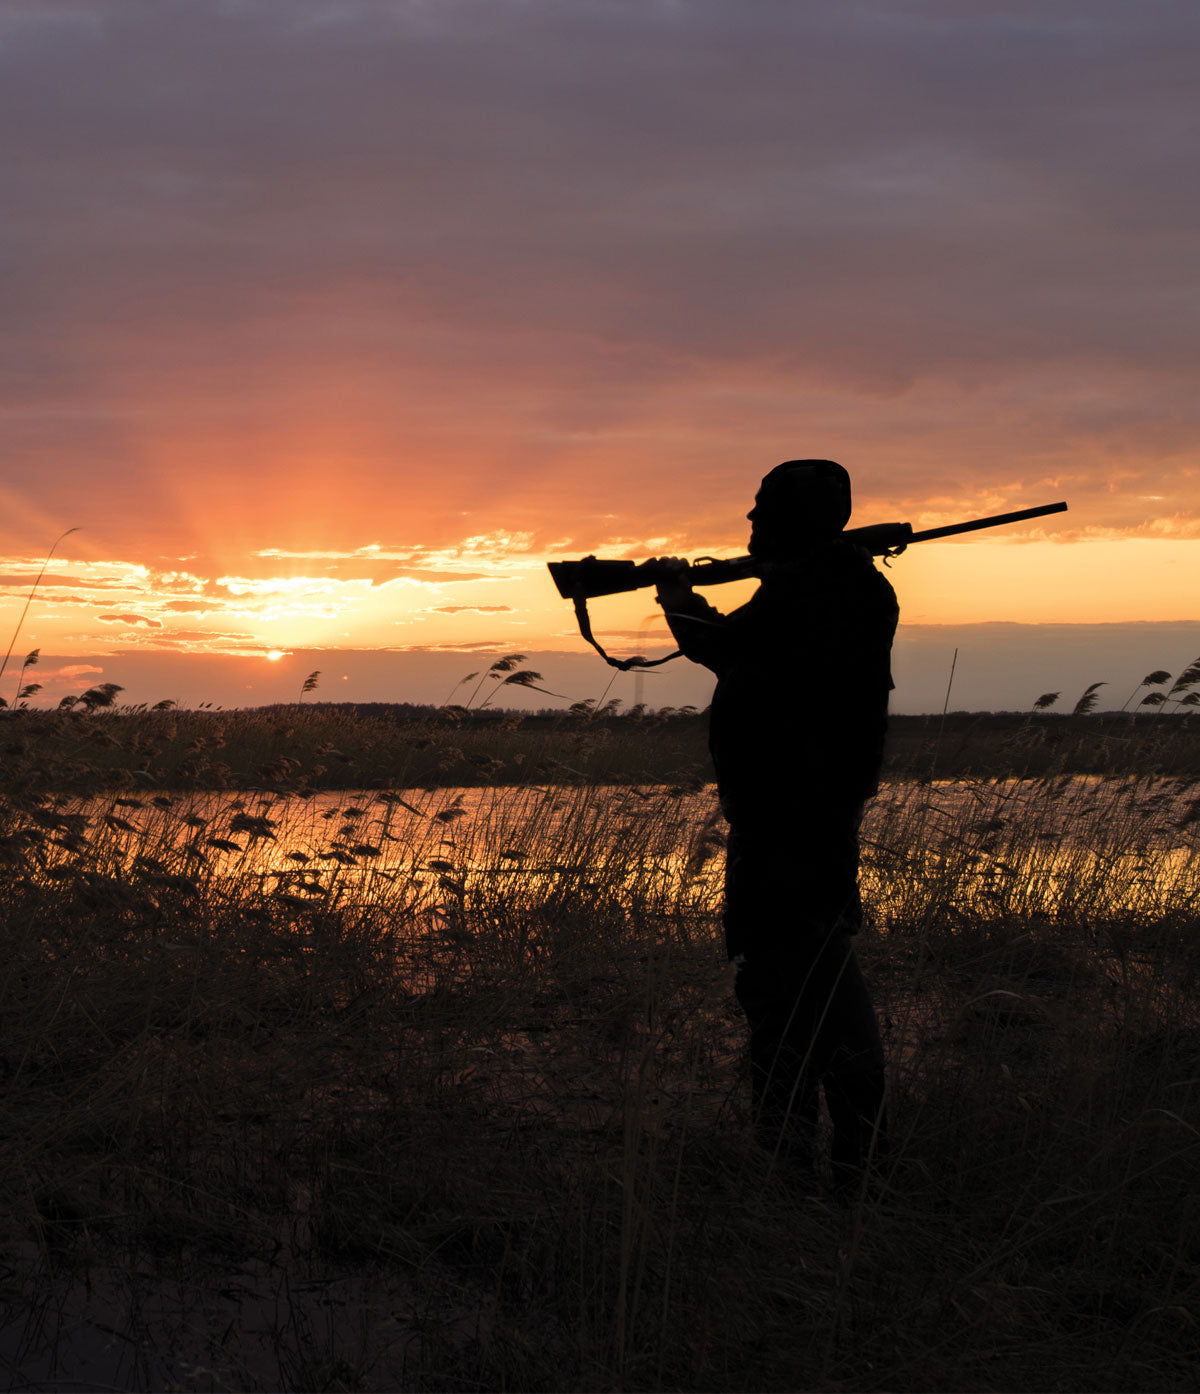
674, 589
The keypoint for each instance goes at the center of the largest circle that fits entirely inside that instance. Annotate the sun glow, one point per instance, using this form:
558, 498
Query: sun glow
276, 654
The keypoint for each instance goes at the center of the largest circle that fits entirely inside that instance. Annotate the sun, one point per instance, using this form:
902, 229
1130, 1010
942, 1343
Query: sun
275, 655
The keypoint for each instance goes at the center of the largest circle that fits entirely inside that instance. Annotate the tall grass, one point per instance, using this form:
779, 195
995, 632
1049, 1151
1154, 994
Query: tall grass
435, 1089
329, 747
96, 745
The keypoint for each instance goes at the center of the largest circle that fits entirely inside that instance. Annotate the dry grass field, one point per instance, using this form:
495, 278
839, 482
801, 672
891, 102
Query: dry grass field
436, 1087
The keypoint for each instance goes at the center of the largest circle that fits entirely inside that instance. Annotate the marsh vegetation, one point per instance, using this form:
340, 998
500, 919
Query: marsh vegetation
337, 746
442, 1088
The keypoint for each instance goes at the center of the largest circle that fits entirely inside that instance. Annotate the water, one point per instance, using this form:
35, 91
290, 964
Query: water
1034, 848
419, 850
1075, 847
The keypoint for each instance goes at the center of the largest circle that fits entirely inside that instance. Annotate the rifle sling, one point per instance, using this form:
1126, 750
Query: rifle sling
624, 664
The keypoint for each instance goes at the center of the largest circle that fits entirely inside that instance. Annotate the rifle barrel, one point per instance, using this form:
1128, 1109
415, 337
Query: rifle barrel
996, 521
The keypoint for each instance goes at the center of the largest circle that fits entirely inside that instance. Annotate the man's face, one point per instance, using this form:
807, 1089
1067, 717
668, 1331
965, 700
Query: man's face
789, 513
759, 525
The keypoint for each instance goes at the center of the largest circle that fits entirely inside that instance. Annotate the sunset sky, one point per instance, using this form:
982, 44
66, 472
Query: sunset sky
328, 322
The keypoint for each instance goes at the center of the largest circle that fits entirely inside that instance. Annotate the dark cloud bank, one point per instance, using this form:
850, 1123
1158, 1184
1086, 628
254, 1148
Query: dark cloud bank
952, 241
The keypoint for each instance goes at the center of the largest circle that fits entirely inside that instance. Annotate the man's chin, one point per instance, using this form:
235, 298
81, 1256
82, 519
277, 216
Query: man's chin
768, 549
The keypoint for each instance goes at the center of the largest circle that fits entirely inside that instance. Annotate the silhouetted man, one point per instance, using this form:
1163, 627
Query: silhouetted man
796, 731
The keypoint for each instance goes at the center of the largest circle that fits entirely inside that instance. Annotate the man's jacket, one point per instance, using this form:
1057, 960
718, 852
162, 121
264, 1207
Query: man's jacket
803, 676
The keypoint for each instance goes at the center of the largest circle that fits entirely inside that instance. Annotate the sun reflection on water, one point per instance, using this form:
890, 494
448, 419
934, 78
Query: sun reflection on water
1004, 849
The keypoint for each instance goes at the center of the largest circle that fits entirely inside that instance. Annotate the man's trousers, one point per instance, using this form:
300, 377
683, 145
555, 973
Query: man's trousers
791, 908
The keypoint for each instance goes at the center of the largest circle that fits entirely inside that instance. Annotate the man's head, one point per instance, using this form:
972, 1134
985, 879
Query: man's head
798, 502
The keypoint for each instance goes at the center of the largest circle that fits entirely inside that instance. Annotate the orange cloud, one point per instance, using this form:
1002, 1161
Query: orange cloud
130, 619
339, 361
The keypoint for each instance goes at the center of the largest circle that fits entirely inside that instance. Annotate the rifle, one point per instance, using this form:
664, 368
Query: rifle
584, 580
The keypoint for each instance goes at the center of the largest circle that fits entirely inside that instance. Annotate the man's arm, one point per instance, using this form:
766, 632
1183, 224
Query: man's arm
699, 628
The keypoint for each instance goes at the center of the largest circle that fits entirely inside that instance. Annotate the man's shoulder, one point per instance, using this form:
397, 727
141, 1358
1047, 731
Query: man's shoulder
838, 564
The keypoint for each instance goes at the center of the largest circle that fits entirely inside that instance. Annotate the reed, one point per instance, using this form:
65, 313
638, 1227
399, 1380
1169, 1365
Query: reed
25, 610
94, 745
420, 1088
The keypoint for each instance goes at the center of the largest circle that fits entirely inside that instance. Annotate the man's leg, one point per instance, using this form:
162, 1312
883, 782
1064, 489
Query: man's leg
852, 1072
783, 1086
812, 1022
791, 905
